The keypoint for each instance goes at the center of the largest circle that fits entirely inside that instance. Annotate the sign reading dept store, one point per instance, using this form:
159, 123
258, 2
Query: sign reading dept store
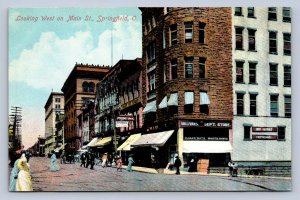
205, 123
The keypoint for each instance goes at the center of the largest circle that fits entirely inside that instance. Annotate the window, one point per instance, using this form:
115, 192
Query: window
173, 32
202, 33
253, 104
273, 74
287, 44
164, 38
281, 133
202, 68
239, 71
57, 99
189, 67
240, 103
239, 38
286, 14
287, 106
272, 42
251, 41
238, 11
251, 12
252, 72
188, 32
287, 75
174, 69
247, 132
274, 105
189, 102
272, 14
57, 106
91, 87
85, 87
151, 52
151, 78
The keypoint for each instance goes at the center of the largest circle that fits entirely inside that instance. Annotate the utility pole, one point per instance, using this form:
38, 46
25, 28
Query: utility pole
16, 119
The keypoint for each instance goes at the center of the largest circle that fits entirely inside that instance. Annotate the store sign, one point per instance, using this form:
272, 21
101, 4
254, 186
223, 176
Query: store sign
206, 123
122, 124
199, 138
264, 137
125, 118
264, 129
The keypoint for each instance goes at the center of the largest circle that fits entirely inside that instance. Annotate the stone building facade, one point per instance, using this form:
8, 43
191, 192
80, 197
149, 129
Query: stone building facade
79, 89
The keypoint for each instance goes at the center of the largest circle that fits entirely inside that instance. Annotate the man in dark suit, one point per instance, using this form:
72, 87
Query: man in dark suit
177, 164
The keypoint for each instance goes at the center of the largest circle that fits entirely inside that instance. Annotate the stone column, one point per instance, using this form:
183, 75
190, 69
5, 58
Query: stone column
180, 144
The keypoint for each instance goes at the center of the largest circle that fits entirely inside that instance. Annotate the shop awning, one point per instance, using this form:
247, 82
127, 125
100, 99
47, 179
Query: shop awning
189, 98
103, 141
163, 103
150, 107
127, 144
93, 142
207, 147
204, 99
153, 139
59, 148
173, 100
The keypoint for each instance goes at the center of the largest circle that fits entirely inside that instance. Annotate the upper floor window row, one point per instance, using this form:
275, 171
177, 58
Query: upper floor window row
88, 87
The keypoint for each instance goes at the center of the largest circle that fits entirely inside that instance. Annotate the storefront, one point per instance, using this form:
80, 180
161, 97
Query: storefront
205, 139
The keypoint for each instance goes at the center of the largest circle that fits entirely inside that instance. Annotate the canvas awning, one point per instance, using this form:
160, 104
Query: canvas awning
59, 148
173, 100
163, 103
189, 98
153, 139
204, 98
150, 107
207, 147
127, 144
93, 142
103, 141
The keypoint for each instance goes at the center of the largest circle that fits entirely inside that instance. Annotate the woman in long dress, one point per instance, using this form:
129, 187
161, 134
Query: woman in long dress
53, 163
13, 176
24, 182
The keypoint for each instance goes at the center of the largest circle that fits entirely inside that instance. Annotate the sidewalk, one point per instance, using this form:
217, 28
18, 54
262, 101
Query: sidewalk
172, 172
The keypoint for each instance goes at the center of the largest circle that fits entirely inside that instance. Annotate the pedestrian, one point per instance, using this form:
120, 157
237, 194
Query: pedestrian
92, 160
177, 164
119, 164
104, 160
130, 162
230, 165
27, 155
53, 163
14, 175
24, 182
192, 165
83, 159
88, 159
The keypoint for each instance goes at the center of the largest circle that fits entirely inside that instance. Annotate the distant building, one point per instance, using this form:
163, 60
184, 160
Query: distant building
79, 89
53, 106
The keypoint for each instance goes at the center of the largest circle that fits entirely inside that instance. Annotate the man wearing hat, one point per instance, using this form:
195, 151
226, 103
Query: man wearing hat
177, 164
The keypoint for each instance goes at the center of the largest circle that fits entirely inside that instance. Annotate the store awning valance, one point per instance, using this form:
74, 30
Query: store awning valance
163, 103
207, 147
173, 100
103, 141
153, 139
93, 142
189, 98
59, 148
204, 98
150, 107
127, 144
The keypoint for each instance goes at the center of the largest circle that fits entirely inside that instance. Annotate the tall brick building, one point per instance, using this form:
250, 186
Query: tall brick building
79, 89
187, 82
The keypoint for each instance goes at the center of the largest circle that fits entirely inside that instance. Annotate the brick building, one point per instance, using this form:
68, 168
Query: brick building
79, 89
187, 82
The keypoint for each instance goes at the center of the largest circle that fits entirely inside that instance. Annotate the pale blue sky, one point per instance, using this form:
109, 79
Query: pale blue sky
43, 53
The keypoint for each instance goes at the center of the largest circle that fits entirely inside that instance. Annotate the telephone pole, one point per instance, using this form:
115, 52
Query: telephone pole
15, 120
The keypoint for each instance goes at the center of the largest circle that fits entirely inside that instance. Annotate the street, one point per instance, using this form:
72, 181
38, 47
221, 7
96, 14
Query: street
72, 177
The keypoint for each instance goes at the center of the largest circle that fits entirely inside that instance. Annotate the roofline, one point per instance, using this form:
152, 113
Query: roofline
51, 95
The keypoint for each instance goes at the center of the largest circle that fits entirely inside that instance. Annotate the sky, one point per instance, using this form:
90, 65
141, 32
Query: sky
45, 44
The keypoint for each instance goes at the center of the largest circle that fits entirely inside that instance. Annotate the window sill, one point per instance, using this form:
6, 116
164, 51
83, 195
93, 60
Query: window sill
281, 140
287, 54
287, 21
253, 83
240, 82
250, 50
237, 15
251, 17
273, 84
240, 49
247, 140
253, 115
240, 115
273, 53
272, 19
286, 85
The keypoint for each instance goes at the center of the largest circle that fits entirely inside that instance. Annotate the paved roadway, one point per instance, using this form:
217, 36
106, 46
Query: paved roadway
72, 177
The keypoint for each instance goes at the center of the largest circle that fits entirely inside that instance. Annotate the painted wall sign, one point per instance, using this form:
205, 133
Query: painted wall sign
206, 138
264, 137
264, 129
205, 123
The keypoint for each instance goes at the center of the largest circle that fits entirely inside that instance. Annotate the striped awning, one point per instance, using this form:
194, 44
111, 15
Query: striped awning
153, 139
126, 146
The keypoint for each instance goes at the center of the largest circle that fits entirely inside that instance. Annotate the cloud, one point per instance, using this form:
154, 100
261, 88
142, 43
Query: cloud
50, 60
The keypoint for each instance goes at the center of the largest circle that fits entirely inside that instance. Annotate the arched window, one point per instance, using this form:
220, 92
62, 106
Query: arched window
91, 87
84, 86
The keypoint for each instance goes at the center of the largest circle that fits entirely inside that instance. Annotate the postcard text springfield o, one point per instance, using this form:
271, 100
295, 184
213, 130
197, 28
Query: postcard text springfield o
124, 18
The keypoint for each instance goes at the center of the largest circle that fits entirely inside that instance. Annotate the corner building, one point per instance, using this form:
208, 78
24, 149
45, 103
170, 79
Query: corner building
187, 88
